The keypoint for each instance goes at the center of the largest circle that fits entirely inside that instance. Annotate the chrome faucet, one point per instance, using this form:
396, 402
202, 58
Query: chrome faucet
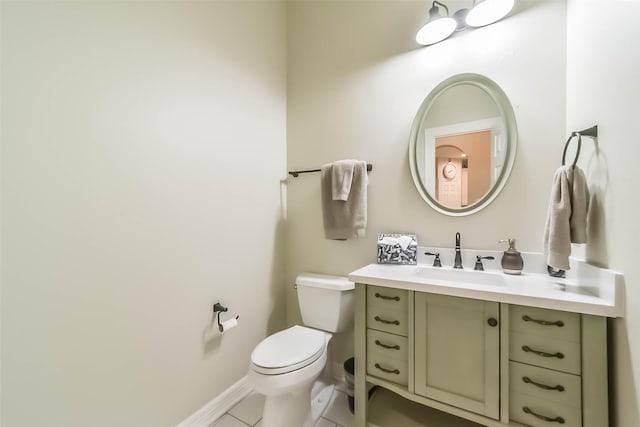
458, 261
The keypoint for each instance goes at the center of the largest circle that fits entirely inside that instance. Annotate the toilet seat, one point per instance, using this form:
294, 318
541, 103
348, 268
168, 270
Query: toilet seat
288, 350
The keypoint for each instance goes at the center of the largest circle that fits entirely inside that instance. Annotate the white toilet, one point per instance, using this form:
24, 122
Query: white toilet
285, 365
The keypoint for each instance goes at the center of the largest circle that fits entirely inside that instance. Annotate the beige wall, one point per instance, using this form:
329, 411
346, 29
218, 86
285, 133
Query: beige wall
355, 81
602, 88
142, 148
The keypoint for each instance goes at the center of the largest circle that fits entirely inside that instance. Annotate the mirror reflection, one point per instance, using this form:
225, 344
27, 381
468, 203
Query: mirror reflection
463, 138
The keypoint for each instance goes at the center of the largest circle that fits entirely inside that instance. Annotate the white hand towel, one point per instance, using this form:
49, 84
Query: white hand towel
344, 219
567, 216
341, 178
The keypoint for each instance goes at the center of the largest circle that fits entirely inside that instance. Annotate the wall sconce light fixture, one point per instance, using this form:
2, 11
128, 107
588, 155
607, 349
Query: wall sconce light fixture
483, 12
438, 27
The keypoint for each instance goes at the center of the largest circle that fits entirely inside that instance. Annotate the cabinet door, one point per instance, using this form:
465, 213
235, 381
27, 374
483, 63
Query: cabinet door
457, 352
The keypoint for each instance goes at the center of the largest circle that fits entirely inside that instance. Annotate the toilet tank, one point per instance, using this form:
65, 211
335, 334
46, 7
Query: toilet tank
326, 302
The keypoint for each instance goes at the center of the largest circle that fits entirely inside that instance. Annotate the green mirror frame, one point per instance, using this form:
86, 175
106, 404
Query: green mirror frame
506, 113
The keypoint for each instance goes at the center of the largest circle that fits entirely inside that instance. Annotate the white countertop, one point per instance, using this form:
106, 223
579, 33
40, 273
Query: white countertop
588, 289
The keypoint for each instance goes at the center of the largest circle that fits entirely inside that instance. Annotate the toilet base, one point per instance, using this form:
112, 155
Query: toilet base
296, 409
292, 409
320, 398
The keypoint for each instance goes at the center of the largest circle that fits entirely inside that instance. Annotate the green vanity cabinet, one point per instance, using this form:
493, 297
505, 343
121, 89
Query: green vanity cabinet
493, 363
457, 352
557, 368
386, 334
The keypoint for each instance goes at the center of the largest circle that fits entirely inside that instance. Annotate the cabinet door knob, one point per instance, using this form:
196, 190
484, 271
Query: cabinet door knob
492, 322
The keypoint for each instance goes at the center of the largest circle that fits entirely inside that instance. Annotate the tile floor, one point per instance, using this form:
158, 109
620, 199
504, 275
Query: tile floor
248, 412
386, 409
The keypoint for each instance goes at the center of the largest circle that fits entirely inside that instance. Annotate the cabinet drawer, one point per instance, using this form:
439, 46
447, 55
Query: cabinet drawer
544, 383
388, 298
387, 368
535, 412
549, 323
387, 345
548, 353
387, 320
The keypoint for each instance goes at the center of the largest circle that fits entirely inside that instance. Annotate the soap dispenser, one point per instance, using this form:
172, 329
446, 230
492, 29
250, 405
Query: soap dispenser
512, 262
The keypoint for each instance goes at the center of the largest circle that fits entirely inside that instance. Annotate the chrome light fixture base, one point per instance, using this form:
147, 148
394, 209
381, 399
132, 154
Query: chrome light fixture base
461, 19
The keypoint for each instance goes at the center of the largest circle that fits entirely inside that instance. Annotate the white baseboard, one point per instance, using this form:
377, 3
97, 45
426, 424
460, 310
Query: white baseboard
215, 409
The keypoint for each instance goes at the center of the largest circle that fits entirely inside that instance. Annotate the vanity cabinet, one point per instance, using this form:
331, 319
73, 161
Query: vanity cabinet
494, 363
457, 352
547, 362
387, 329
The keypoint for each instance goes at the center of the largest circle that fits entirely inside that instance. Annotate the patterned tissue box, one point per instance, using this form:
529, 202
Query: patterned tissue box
397, 249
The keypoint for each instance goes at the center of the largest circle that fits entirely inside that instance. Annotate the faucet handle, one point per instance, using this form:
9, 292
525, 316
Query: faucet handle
436, 260
479, 266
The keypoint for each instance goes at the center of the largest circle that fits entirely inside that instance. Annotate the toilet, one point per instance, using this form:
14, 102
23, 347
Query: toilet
285, 365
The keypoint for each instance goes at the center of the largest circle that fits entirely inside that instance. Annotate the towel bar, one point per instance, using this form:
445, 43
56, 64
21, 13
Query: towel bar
296, 173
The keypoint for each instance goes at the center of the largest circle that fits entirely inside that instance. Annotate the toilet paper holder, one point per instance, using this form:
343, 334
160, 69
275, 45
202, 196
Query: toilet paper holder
219, 308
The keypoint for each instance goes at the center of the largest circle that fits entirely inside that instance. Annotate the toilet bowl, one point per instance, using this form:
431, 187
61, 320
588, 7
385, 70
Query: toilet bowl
286, 377
285, 365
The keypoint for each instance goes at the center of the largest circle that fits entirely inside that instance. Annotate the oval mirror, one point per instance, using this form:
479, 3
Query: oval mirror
463, 144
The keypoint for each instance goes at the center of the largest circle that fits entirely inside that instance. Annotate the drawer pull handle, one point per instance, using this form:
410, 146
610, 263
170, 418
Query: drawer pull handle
528, 349
388, 322
396, 298
558, 323
528, 380
390, 347
388, 371
558, 420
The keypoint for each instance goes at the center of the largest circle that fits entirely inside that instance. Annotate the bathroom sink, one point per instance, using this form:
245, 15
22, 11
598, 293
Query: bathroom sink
590, 290
456, 276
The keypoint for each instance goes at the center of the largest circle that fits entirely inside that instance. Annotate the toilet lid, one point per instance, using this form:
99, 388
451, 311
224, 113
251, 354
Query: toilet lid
288, 350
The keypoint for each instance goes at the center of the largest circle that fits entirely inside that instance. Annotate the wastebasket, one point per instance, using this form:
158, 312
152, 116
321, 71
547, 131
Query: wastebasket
349, 372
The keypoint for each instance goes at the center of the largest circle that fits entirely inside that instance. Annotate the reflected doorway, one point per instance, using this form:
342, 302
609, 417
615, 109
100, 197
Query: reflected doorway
463, 167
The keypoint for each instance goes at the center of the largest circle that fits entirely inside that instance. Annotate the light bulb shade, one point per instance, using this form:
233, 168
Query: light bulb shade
436, 30
488, 11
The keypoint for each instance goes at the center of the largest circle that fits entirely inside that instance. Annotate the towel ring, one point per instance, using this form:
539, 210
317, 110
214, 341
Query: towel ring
591, 132
566, 145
